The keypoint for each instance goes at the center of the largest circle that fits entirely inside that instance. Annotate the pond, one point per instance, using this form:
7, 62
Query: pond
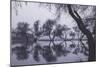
44, 52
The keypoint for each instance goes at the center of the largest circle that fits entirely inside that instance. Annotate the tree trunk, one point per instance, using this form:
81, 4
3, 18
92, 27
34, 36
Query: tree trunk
91, 41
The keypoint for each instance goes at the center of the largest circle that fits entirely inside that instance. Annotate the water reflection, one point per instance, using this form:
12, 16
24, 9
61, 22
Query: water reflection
47, 44
21, 52
37, 48
48, 55
50, 52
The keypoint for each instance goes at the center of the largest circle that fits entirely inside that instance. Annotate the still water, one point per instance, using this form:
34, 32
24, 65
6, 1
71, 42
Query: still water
68, 48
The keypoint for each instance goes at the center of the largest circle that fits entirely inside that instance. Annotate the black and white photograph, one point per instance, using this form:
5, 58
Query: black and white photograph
51, 33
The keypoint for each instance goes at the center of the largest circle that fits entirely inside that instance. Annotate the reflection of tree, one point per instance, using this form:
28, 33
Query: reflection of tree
21, 52
37, 48
60, 50
48, 54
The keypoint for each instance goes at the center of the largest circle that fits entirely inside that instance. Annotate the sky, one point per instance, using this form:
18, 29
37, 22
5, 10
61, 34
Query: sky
33, 11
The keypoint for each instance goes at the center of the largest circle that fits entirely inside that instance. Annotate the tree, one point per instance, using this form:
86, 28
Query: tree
48, 27
59, 31
22, 35
36, 27
91, 41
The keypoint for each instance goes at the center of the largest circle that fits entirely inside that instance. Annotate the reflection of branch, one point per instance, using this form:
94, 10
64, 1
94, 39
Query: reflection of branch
53, 43
31, 49
81, 37
84, 46
49, 43
82, 42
